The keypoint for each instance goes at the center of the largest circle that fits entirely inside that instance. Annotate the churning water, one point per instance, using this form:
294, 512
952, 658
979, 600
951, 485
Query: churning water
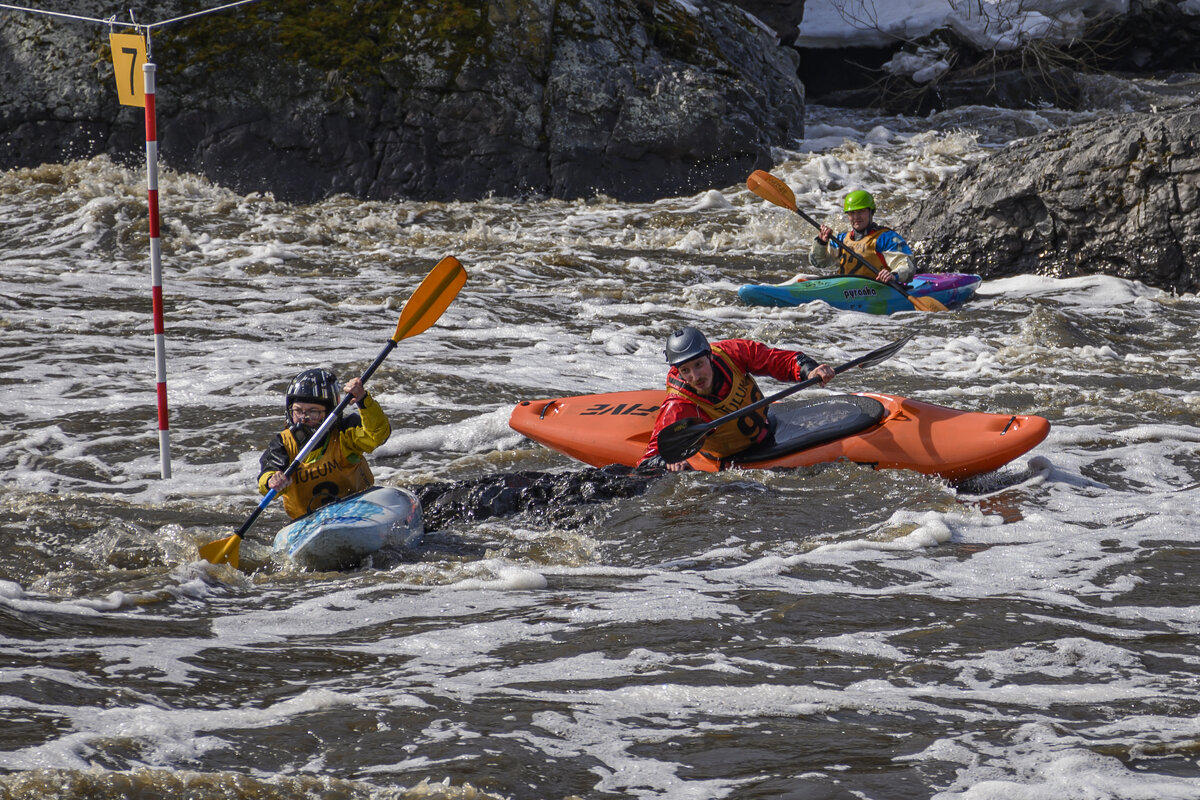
829, 632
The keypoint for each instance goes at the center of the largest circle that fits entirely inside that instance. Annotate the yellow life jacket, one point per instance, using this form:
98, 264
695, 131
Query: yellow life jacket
321, 481
865, 247
738, 434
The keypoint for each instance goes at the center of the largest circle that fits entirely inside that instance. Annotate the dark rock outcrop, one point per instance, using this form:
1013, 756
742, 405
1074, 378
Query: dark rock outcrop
782, 16
1120, 196
570, 496
635, 99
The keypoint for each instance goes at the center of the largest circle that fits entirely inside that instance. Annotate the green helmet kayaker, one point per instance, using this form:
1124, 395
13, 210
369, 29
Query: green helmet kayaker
859, 199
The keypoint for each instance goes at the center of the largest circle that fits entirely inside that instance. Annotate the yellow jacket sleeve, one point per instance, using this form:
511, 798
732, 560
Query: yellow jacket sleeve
374, 431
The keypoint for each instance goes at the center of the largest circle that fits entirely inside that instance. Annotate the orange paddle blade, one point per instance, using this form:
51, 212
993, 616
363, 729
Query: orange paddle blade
431, 298
771, 189
927, 304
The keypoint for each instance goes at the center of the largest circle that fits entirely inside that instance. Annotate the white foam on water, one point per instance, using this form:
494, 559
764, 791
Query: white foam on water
622, 667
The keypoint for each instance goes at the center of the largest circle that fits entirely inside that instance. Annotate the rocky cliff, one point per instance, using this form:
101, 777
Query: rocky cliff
635, 99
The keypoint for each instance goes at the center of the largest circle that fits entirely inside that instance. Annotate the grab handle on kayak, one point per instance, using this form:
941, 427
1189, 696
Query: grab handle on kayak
546, 408
1009, 425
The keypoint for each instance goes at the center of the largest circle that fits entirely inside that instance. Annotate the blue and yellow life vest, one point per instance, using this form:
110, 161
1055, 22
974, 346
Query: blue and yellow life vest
866, 247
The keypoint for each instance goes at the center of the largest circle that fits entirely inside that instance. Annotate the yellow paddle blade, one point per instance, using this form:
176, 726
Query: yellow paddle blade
927, 304
222, 550
771, 189
431, 298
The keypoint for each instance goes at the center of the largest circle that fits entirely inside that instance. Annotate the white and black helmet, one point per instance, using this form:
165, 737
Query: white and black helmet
313, 386
685, 344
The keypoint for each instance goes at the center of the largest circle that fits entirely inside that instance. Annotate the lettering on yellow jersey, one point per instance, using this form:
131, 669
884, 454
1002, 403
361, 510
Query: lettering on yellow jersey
319, 470
619, 409
742, 395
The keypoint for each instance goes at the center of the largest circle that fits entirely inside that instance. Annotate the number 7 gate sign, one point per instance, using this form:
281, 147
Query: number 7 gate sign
128, 56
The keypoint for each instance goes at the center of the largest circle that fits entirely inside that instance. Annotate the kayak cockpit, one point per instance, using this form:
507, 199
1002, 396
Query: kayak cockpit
799, 426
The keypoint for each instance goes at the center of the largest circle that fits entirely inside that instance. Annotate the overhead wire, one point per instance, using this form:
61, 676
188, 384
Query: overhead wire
113, 22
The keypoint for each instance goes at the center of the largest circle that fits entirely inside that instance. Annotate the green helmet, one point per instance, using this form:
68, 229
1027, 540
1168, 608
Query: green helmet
859, 199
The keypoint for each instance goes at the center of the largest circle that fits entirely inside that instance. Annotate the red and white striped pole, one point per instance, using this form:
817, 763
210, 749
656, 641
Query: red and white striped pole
160, 357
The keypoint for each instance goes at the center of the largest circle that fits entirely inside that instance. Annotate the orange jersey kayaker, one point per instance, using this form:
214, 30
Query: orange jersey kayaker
709, 381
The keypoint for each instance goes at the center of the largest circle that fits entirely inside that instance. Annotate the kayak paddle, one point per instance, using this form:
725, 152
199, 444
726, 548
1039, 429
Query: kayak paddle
681, 440
423, 308
773, 190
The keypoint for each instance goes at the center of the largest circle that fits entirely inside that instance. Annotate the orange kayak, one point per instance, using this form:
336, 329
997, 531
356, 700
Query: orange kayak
884, 431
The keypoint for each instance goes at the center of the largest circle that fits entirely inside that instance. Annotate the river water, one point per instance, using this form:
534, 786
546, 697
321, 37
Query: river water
828, 632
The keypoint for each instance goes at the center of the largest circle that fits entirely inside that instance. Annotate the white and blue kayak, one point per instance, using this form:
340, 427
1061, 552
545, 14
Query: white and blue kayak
342, 534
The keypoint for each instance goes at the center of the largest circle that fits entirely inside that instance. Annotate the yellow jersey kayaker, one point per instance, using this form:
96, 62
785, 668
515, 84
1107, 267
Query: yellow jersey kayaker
881, 247
710, 381
337, 466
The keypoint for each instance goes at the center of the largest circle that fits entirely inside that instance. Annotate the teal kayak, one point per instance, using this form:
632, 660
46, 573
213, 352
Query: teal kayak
863, 294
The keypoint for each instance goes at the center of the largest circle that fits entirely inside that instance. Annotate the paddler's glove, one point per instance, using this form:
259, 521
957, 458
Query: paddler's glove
651, 465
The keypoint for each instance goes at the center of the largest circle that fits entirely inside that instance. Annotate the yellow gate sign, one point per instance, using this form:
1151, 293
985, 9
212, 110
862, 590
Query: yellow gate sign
128, 56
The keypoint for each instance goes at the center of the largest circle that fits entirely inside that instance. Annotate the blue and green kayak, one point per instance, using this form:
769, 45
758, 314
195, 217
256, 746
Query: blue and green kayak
863, 294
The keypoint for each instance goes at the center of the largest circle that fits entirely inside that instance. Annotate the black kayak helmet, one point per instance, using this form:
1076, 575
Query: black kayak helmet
313, 386
685, 344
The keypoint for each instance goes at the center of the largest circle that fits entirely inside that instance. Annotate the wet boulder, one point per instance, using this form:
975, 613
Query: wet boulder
568, 496
782, 16
1119, 196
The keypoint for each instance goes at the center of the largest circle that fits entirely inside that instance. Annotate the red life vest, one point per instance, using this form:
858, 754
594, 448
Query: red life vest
738, 434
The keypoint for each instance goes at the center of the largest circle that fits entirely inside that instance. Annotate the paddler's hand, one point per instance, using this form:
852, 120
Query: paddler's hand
354, 387
824, 234
884, 275
824, 373
278, 481
656, 463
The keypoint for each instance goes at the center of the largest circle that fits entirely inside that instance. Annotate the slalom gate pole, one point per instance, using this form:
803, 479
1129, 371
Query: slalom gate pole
160, 357
128, 96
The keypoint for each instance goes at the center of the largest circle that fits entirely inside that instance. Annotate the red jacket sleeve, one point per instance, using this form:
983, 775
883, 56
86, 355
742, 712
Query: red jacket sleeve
758, 359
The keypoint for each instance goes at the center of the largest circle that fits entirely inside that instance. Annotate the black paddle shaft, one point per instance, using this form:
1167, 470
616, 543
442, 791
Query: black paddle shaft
681, 440
338, 409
